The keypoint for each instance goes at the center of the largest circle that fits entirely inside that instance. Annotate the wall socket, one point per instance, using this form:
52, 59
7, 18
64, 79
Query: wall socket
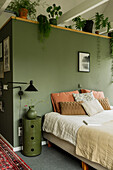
19, 131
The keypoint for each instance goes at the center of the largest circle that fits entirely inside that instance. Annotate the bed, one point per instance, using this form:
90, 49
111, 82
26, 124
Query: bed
71, 134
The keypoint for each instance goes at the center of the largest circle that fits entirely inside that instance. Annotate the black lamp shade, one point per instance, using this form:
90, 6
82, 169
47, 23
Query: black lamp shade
31, 87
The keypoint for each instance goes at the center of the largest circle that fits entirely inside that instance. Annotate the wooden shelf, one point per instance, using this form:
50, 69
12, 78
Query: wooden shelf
54, 26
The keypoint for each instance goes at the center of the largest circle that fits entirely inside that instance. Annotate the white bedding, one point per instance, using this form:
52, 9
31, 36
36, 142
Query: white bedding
66, 126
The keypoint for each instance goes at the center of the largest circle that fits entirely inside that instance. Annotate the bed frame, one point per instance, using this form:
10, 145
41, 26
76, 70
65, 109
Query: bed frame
70, 148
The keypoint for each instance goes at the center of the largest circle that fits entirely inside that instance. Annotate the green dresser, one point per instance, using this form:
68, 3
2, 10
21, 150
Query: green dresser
31, 136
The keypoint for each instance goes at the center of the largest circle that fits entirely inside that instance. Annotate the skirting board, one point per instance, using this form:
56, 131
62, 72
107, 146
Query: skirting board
19, 148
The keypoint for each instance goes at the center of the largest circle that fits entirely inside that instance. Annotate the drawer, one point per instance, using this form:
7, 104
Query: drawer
32, 149
32, 138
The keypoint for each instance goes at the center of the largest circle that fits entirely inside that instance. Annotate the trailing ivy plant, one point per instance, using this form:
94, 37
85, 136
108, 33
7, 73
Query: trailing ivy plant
111, 43
44, 26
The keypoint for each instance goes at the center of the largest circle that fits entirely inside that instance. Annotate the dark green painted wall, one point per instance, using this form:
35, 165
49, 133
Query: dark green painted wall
53, 66
6, 117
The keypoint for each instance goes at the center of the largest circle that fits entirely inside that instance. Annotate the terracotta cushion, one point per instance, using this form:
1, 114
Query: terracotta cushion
105, 103
72, 108
96, 94
61, 97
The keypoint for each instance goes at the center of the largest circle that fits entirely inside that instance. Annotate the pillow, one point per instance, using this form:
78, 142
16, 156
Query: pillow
96, 94
83, 97
72, 108
105, 103
61, 97
92, 107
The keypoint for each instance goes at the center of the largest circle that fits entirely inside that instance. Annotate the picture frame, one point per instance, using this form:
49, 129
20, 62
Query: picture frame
1, 106
1, 55
1, 88
1, 70
6, 46
83, 62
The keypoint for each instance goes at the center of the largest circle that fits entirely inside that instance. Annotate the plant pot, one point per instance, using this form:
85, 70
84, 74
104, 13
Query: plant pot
42, 18
23, 13
96, 32
31, 113
110, 34
88, 26
53, 21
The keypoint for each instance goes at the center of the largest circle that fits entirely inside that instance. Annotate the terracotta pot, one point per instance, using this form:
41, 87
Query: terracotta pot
96, 32
23, 13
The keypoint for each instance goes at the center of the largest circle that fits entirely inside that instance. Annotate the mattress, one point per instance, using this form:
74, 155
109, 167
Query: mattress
66, 127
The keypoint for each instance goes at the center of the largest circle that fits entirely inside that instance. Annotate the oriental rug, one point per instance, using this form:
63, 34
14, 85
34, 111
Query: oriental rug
9, 159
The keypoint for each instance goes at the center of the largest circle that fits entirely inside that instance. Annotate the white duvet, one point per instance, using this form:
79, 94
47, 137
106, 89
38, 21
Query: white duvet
66, 126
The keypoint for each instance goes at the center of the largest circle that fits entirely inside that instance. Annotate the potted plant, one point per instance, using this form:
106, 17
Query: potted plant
101, 22
79, 23
82, 24
22, 8
44, 26
54, 12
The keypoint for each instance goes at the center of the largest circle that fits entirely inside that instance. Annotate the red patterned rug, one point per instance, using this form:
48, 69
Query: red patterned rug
9, 159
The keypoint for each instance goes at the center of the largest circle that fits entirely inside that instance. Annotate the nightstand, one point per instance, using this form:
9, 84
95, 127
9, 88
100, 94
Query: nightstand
31, 136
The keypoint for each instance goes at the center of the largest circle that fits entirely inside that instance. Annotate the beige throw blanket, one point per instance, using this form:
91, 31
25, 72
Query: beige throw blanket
95, 143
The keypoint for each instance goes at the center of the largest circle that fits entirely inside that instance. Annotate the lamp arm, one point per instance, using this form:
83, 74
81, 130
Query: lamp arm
16, 87
17, 83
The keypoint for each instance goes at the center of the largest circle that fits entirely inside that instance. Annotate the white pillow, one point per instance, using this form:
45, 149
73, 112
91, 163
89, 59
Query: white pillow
92, 107
83, 97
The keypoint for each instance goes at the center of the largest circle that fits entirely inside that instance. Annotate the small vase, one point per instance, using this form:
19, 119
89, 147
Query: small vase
31, 113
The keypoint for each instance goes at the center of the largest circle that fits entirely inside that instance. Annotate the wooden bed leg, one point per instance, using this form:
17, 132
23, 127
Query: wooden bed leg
49, 144
84, 166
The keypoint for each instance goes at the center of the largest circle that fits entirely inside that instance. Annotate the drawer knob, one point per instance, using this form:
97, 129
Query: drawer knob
32, 149
32, 126
32, 138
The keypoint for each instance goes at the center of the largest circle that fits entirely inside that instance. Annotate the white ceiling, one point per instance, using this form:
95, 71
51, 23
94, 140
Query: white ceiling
70, 9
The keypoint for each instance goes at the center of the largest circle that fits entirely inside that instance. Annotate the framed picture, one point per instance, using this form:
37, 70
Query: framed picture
83, 62
6, 54
1, 106
0, 50
1, 70
1, 88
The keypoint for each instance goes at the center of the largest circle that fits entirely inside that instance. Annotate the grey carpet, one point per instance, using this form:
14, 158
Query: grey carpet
52, 158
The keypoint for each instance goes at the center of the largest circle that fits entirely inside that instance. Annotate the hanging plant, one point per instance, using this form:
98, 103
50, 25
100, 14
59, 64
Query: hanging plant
111, 43
44, 26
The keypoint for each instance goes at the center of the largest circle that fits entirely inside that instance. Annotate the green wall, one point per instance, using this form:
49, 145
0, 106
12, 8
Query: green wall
53, 66
6, 117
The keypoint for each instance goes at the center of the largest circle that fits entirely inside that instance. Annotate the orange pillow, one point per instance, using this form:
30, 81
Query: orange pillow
96, 94
61, 97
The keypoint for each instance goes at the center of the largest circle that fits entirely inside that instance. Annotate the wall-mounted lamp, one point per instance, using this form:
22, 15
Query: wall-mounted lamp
29, 88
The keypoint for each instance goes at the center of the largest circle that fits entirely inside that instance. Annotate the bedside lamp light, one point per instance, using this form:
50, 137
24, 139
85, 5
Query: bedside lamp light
31, 87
